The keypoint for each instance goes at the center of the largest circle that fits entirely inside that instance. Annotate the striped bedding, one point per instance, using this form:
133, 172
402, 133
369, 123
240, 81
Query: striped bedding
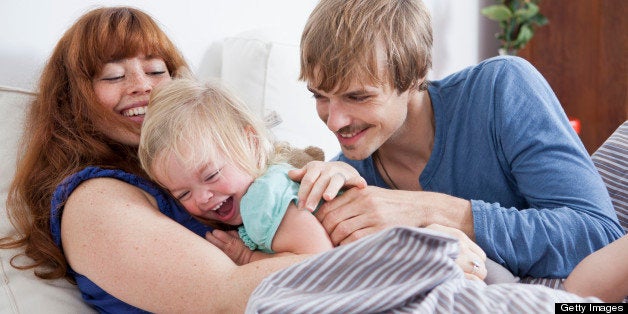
401, 270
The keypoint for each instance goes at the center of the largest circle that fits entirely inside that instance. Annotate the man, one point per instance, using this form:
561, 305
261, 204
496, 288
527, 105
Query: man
488, 151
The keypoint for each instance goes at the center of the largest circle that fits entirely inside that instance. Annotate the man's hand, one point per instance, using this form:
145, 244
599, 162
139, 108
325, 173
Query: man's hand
323, 180
360, 212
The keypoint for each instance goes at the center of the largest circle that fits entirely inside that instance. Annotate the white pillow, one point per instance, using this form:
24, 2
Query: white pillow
13, 102
262, 68
22, 291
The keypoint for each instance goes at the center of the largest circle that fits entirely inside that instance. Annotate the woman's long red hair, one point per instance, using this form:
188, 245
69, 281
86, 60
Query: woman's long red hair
59, 134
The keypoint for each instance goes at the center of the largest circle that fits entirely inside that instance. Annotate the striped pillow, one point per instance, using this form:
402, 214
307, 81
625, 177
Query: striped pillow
611, 161
400, 270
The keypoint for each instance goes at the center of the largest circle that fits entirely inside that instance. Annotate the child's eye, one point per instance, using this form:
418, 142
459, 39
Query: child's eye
182, 196
213, 176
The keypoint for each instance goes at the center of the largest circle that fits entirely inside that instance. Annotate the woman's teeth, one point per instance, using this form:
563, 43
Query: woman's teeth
134, 111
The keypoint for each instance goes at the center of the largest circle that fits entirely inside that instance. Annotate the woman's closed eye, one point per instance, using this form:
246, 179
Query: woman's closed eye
156, 73
112, 78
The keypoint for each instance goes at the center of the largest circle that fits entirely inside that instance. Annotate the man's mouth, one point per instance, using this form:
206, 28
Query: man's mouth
350, 131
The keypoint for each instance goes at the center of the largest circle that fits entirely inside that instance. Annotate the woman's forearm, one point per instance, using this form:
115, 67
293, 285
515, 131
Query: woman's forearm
603, 274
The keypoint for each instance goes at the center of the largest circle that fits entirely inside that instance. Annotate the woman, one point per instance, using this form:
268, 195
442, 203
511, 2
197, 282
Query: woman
126, 243
88, 112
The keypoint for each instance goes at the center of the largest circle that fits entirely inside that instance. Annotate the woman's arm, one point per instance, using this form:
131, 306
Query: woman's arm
603, 274
113, 233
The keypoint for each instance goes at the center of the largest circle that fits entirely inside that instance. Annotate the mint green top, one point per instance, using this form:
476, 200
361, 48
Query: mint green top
263, 206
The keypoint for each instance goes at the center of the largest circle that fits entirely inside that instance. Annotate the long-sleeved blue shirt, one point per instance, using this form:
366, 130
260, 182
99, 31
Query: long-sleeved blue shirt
503, 141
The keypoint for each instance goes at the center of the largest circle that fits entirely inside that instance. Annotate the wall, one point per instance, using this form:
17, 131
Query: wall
30, 28
591, 79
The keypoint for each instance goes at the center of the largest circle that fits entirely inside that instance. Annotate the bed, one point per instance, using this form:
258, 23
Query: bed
262, 67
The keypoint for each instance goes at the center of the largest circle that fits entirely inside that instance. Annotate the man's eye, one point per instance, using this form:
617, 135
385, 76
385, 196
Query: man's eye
358, 98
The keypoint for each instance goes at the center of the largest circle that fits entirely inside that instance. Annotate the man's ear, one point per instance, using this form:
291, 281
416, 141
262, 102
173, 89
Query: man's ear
421, 84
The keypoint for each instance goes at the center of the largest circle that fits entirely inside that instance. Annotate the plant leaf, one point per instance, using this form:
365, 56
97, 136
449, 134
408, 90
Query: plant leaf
497, 12
539, 20
525, 34
527, 12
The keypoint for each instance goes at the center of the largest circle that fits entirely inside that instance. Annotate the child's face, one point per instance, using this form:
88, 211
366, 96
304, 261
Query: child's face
212, 192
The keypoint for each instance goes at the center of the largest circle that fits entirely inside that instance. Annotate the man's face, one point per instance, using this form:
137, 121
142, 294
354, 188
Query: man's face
363, 117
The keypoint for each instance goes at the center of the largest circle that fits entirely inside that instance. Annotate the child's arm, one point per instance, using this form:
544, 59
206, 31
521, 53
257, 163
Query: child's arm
603, 274
300, 232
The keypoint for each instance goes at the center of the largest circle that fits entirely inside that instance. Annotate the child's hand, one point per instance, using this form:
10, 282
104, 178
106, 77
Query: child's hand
323, 180
231, 244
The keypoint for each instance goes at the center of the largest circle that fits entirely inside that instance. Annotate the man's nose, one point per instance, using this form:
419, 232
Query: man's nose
337, 115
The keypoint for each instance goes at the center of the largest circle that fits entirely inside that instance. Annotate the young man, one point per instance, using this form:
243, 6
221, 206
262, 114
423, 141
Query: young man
487, 150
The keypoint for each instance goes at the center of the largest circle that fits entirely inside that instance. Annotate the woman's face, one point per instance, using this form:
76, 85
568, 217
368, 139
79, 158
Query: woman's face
124, 86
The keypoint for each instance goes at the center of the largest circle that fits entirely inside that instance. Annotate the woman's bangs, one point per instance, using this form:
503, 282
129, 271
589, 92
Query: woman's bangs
129, 42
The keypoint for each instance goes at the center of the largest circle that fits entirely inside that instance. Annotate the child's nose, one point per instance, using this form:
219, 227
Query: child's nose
203, 198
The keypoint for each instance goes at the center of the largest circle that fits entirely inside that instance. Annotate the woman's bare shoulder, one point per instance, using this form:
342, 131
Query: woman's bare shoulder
109, 193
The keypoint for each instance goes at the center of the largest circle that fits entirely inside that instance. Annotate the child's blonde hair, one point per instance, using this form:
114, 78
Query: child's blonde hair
192, 121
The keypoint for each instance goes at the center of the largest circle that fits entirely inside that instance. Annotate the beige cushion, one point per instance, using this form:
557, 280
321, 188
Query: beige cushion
21, 291
262, 68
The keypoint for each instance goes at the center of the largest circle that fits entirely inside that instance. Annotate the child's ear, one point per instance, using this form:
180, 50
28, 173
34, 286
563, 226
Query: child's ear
251, 135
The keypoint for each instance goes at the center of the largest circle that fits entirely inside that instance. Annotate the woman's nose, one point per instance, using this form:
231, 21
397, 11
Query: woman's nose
140, 83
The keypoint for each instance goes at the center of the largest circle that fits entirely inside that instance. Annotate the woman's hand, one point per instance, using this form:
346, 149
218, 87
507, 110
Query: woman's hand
323, 180
472, 259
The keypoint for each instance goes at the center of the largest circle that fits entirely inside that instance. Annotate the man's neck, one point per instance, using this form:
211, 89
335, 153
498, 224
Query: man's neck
407, 152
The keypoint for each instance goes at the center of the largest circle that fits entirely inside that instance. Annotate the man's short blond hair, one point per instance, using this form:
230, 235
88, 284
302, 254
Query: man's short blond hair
340, 39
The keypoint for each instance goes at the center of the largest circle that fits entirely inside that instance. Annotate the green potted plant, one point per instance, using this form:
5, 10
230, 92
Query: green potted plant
517, 19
